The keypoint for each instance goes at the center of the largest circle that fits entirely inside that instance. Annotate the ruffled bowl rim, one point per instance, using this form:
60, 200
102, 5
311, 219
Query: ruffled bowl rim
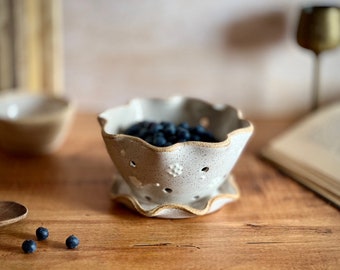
177, 210
247, 127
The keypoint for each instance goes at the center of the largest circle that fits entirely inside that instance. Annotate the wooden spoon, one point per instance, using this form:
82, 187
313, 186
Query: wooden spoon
11, 212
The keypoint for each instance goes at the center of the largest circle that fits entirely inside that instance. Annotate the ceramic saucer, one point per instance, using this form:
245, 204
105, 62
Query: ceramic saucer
226, 193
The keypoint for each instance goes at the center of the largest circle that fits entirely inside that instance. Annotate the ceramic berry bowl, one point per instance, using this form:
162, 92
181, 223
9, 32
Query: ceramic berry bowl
182, 179
33, 124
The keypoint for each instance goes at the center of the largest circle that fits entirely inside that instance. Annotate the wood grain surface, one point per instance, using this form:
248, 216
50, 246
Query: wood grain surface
276, 224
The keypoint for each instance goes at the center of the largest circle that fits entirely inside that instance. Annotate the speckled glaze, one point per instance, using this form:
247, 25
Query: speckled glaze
226, 193
181, 173
33, 124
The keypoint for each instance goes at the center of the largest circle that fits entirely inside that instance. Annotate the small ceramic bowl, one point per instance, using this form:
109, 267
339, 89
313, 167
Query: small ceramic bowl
33, 124
186, 172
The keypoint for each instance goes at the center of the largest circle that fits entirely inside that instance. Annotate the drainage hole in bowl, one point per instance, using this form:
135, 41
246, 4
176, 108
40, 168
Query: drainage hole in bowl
132, 164
205, 169
148, 198
167, 190
204, 121
196, 197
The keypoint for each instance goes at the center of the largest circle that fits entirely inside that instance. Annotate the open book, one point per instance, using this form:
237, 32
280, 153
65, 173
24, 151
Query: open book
310, 152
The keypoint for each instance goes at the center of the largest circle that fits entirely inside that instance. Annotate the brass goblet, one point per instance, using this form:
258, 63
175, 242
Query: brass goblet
318, 30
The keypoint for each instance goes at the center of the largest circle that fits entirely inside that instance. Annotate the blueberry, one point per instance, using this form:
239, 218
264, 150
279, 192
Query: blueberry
72, 242
195, 137
29, 246
165, 123
41, 233
208, 137
167, 133
149, 139
184, 125
198, 129
143, 133
144, 124
182, 134
159, 140
171, 139
155, 127
134, 129
169, 129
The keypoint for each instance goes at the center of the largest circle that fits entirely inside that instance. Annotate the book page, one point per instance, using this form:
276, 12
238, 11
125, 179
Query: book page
314, 142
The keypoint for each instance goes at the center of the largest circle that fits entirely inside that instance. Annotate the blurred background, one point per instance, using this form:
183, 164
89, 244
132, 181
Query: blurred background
103, 53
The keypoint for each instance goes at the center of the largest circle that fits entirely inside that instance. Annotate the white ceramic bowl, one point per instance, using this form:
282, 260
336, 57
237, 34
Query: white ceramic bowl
181, 173
33, 123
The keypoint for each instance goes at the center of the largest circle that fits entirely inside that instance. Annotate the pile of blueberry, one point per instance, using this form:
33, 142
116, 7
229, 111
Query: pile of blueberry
167, 133
30, 246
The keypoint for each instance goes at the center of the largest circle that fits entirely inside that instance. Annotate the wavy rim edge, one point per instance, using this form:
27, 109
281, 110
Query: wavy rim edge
67, 107
249, 127
154, 212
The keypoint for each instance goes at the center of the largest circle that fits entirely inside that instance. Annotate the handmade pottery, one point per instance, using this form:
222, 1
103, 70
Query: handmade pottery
226, 193
33, 123
185, 172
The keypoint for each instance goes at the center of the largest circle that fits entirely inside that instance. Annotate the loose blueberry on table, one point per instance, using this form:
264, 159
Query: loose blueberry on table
167, 133
29, 246
42, 233
72, 242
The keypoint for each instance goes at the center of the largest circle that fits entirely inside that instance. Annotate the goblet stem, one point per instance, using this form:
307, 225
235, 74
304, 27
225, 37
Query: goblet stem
316, 83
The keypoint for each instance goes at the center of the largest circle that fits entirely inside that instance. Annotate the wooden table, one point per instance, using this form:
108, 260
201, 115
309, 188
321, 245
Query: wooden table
276, 224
